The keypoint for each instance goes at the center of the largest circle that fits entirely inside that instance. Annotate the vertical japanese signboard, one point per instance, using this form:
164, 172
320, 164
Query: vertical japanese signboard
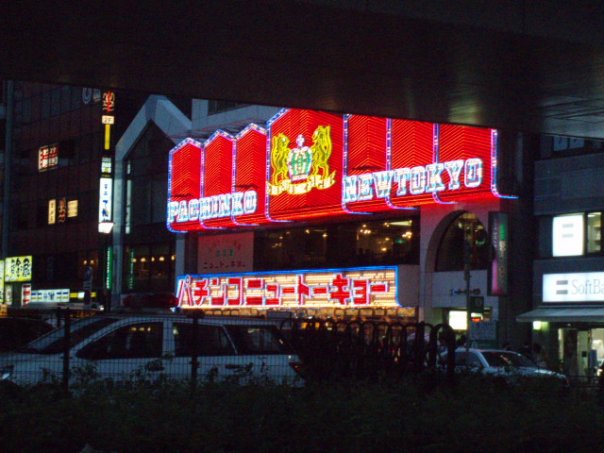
498, 269
62, 210
52, 211
108, 100
105, 200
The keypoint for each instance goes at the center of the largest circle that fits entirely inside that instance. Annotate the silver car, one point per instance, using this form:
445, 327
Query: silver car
152, 347
509, 366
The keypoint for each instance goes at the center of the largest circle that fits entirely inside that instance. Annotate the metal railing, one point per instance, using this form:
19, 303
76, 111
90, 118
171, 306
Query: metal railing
365, 349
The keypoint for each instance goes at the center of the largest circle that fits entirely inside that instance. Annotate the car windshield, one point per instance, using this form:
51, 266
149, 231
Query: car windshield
53, 342
507, 359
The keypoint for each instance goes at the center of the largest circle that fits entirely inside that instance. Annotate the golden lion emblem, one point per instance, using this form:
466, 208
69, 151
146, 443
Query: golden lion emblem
299, 170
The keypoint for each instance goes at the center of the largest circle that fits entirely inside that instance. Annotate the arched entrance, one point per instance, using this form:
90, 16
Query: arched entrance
455, 266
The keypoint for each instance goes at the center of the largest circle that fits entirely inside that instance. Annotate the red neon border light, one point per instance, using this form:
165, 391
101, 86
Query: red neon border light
310, 165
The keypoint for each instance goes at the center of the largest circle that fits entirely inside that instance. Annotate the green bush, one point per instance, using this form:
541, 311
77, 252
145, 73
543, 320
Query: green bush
416, 414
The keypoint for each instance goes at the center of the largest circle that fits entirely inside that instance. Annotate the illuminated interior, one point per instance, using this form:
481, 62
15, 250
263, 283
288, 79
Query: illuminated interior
361, 243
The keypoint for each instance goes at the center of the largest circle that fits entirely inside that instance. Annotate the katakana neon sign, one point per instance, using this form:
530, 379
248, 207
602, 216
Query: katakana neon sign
347, 287
309, 164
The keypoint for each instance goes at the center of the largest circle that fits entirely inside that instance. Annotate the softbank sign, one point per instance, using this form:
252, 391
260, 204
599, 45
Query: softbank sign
306, 164
575, 287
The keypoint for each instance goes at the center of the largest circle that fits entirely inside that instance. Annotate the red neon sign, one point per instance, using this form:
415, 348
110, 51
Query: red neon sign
351, 287
366, 154
184, 185
218, 198
309, 164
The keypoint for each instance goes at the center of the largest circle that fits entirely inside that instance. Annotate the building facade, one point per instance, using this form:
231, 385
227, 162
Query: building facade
60, 143
568, 314
442, 248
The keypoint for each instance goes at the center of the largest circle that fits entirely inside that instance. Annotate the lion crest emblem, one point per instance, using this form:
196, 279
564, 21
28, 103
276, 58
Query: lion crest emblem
299, 170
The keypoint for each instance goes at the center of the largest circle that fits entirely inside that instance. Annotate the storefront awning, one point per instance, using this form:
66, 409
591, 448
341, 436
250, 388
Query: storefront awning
579, 314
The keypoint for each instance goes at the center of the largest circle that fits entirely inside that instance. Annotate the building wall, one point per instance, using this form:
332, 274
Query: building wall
565, 185
569, 184
66, 243
567, 181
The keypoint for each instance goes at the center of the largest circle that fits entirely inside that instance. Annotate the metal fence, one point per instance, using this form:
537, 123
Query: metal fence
365, 349
127, 349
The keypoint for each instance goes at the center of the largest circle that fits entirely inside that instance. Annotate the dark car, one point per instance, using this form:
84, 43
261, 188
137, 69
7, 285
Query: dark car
16, 332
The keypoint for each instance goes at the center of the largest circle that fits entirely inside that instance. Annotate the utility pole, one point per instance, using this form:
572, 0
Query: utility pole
467, 260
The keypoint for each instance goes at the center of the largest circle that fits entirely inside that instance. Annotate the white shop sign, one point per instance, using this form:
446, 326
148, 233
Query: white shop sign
50, 295
574, 287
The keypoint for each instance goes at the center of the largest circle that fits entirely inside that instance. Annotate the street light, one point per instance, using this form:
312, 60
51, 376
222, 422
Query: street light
105, 227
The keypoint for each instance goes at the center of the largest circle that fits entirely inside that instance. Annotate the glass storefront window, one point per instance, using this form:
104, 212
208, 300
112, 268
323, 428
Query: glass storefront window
384, 242
149, 267
338, 245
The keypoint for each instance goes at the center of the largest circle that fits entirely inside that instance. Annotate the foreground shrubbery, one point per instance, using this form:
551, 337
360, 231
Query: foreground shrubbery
407, 416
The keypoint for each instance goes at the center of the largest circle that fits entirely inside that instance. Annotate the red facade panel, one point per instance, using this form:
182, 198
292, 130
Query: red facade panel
412, 148
467, 152
305, 177
368, 182
217, 199
185, 164
250, 175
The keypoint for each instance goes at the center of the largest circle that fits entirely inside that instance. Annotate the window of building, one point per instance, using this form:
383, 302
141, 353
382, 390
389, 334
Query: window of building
594, 232
568, 235
45, 114
55, 102
575, 234
557, 145
46, 214
567, 143
149, 267
345, 244
147, 174
465, 240
86, 259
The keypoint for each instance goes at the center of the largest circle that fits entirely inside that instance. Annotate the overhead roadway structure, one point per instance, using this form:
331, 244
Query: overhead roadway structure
527, 66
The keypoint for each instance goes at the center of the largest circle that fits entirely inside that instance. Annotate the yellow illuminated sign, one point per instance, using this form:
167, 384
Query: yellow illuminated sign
18, 269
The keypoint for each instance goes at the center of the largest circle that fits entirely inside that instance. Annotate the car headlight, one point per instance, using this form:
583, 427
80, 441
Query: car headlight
6, 372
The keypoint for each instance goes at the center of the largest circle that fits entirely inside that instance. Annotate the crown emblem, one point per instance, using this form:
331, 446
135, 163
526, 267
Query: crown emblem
298, 170
299, 161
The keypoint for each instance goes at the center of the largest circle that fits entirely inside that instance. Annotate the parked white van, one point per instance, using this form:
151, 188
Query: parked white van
130, 347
